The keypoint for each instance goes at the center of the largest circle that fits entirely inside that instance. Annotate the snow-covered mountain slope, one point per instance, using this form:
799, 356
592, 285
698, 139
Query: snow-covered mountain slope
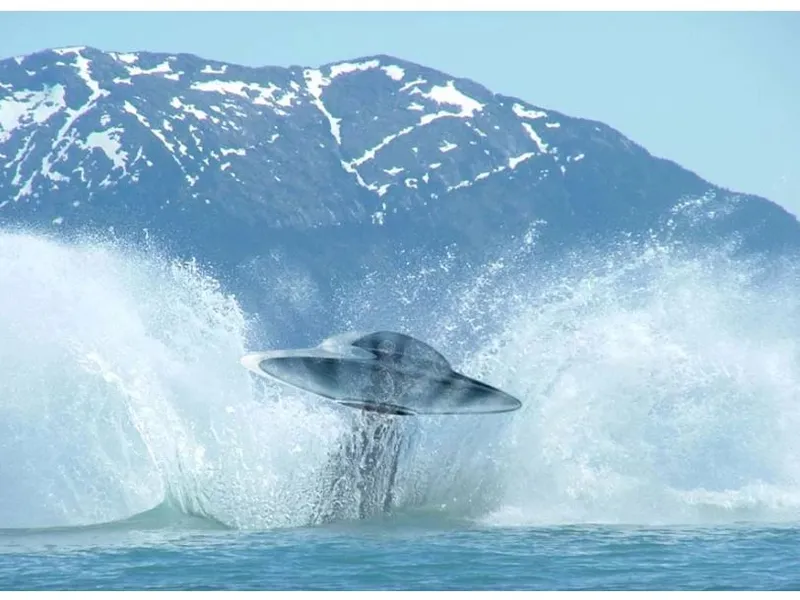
81, 123
215, 156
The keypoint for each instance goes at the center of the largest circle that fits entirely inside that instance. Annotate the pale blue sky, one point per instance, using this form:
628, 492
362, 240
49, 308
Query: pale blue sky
718, 93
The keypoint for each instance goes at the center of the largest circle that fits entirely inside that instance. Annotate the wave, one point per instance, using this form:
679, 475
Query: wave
660, 385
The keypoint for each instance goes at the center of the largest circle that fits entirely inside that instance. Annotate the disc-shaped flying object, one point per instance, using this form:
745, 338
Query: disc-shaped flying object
384, 372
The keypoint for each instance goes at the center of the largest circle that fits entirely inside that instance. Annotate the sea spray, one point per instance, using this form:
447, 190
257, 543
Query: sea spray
659, 384
121, 389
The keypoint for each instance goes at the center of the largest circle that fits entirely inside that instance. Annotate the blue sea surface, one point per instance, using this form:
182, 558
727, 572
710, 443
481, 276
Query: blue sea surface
406, 555
656, 447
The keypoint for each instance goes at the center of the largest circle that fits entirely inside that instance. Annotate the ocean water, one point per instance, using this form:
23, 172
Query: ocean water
407, 554
657, 447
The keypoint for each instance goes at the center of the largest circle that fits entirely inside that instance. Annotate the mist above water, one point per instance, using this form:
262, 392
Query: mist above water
658, 386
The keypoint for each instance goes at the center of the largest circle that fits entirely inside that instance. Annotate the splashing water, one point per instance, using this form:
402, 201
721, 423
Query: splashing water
658, 386
121, 389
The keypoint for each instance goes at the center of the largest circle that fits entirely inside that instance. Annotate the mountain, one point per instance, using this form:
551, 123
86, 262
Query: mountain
337, 169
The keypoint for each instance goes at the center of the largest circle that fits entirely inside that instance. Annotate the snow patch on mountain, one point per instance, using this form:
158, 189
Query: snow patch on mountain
131, 109
450, 95
236, 151
209, 70
109, 141
27, 107
371, 152
411, 84
535, 137
263, 95
351, 67
127, 57
525, 113
515, 160
65, 136
164, 67
394, 72
315, 82
190, 109
68, 50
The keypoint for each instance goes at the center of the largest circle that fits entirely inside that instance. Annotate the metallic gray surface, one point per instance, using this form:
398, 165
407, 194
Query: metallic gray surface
385, 372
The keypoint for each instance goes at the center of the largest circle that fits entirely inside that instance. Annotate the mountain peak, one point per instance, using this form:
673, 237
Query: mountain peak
89, 136
190, 98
